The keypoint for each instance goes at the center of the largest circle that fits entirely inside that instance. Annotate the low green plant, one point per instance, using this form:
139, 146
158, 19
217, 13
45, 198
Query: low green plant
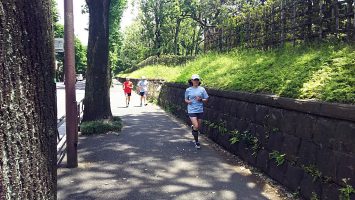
314, 196
313, 171
248, 138
296, 194
256, 146
346, 191
153, 100
279, 158
213, 125
275, 130
101, 126
236, 136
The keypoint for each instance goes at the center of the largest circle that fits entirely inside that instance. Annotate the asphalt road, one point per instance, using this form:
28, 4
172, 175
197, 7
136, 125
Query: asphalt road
153, 158
80, 92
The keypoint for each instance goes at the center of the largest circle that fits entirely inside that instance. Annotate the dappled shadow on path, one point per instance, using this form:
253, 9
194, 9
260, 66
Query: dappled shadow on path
153, 158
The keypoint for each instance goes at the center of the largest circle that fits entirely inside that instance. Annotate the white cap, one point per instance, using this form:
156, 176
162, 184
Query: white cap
195, 76
143, 77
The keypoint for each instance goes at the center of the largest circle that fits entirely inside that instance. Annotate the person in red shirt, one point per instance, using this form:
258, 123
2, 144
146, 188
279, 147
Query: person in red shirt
127, 88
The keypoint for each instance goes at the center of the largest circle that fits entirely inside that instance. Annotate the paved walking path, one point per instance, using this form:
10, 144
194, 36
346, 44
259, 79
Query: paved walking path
154, 158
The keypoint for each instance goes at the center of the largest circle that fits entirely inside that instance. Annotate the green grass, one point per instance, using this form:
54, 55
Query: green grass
323, 72
101, 126
155, 71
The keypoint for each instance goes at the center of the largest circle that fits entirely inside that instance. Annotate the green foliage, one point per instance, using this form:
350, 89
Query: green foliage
54, 9
251, 141
115, 36
236, 137
58, 30
80, 57
153, 100
133, 48
163, 27
279, 158
167, 60
156, 72
80, 48
172, 108
346, 191
296, 194
314, 196
313, 171
101, 126
323, 72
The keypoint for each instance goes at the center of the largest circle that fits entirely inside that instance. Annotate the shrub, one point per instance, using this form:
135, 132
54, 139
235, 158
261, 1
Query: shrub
101, 126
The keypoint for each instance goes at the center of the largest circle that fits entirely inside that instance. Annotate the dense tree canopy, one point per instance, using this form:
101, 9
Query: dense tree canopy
80, 48
115, 38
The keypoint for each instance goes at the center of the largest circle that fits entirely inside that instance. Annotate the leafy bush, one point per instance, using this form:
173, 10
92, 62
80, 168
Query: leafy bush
101, 126
279, 158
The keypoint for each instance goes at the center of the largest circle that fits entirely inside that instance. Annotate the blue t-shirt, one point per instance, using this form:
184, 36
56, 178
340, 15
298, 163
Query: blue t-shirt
190, 94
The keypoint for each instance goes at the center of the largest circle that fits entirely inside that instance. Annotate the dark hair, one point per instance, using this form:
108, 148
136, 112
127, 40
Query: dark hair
190, 82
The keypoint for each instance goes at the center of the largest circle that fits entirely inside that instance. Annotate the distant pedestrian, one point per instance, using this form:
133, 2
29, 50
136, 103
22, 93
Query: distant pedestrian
195, 96
127, 88
143, 90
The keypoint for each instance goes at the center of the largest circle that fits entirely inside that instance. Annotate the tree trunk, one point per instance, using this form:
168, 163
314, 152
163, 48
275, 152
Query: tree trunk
28, 125
158, 18
176, 36
97, 90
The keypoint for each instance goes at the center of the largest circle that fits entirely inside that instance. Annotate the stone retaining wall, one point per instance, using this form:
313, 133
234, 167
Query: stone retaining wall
307, 146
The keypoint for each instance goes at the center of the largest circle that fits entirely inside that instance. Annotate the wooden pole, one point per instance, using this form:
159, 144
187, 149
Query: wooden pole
70, 99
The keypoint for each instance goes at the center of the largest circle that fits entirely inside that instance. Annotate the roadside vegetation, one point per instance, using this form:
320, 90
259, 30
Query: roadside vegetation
101, 126
320, 71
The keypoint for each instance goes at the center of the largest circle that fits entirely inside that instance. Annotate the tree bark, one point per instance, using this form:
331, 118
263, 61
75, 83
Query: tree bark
28, 125
158, 19
97, 90
176, 36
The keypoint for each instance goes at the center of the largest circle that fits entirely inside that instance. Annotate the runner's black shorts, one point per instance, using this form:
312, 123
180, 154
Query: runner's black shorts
128, 94
197, 115
141, 93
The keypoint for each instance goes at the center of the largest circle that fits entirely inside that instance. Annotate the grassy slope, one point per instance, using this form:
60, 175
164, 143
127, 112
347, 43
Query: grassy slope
324, 72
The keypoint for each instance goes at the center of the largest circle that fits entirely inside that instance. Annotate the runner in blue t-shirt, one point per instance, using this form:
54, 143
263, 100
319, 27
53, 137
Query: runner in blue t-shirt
195, 96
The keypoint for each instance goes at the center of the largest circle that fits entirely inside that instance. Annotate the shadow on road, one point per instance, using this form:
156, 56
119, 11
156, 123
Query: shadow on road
153, 158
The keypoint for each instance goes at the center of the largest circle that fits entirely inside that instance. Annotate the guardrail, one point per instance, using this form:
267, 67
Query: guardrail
62, 139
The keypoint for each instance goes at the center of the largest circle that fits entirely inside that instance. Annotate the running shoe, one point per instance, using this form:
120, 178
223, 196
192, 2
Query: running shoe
197, 145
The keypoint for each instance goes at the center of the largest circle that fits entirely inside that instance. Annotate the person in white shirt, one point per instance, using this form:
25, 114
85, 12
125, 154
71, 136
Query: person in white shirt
143, 90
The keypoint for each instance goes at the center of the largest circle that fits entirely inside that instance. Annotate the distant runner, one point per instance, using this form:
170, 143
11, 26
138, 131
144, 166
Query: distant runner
143, 90
127, 88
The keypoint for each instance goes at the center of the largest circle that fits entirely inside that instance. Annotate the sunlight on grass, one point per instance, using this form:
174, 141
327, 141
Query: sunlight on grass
312, 88
156, 72
323, 72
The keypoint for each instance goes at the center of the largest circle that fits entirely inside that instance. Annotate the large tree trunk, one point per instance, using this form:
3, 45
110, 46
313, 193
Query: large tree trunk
28, 116
97, 91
